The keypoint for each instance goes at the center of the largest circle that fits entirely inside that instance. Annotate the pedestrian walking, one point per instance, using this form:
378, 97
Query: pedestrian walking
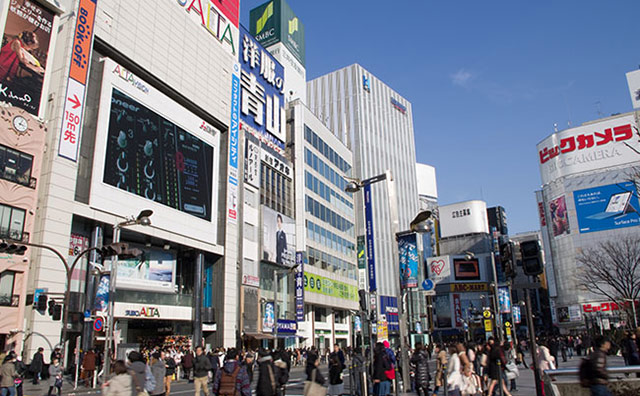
159, 371
187, 365
232, 379
201, 368
8, 375
420, 363
593, 371
37, 364
312, 371
88, 367
336, 385
269, 378
121, 382
441, 363
381, 366
55, 376
170, 371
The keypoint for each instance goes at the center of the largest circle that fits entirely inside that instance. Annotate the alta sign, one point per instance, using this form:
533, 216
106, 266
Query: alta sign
145, 312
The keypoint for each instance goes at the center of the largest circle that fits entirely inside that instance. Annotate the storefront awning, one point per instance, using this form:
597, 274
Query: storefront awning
259, 336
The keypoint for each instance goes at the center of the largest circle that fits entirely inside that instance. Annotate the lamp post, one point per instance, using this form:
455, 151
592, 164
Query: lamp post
275, 299
143, 220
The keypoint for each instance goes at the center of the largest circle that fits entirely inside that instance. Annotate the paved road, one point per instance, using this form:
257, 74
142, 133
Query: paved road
525, 382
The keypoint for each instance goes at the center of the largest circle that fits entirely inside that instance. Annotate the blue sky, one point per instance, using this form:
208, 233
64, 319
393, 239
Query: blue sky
487, 79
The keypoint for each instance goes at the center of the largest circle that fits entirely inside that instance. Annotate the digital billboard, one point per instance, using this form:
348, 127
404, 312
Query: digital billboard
607, 207
25, 54
154, 270
408, 251
278, 238
466, 269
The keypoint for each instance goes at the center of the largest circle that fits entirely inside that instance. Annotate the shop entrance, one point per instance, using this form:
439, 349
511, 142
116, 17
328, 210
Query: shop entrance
162, 333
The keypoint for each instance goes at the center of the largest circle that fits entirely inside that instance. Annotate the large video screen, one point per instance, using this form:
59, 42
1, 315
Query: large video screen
152, 157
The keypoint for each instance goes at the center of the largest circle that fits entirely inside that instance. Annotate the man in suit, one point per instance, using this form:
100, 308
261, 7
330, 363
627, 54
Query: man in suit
281, 241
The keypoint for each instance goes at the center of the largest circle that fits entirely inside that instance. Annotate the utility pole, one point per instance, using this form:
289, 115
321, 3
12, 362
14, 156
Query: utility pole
532, 343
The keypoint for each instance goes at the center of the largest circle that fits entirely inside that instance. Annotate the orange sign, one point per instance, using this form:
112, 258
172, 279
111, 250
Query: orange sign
468, 287
82, 39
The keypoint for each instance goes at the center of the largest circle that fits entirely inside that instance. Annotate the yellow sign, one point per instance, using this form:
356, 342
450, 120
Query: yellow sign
486, 314
508, 331
468, 287
507, 324
383, 331
488, 326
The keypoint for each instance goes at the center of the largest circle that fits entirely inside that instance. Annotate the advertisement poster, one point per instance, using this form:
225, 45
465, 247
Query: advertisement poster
153, 270
371, 258
457, 310
362, 255
279, 238
504, 300
517, 315
442, 311
357, 324
607, 207
408, 250
268, 320
575, 313
24, 54
329, 287
102, 294
300, 286
389, 308
77, 244
563, 315
439, 269
559, 216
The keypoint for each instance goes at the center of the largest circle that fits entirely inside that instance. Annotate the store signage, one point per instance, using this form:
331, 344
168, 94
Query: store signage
262, 92
252, 162
299, 287
408, 251
329, 287
73, 111
141, 311
280, 165
221, 24
603, 307
607, 207
232, 186
371, 261
250, 280
398, 106
439, 269
287, 327
460, 213
488, 325
389, 308
275, 22
541, 213
145, 312
589, 147
463, 218
457, 310
468, 287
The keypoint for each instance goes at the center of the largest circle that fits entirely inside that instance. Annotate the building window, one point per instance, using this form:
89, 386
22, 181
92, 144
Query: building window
250, 198
7, 279
340, 317
276, 192
320, 314
11, 222
250, 232
15, 166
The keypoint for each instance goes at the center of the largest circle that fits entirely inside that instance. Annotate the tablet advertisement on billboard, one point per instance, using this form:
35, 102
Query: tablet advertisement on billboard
607, 207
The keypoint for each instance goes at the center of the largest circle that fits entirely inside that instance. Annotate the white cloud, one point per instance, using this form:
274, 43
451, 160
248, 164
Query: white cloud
461, 78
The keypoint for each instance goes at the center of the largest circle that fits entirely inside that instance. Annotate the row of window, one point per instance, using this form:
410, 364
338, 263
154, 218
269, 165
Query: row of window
325, 170
331, 263
329, 194
329, 239
322, 315
11, 222
324, 149
327, 215
276, 192
15, 166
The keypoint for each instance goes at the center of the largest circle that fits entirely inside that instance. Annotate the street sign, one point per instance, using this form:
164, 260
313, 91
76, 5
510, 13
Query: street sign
488, 326
486, 314
428, 285
87, 313
98, 324
508, 331
507, 324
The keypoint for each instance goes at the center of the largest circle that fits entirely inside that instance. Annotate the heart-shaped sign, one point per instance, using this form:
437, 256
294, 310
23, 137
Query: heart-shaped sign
437, 266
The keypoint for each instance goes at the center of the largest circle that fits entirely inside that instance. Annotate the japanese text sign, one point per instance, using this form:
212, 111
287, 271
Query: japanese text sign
299, 279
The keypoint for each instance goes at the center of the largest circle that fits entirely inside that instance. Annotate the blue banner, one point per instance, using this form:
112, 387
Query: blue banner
389, 308
504, 300
371, 261
268, 320
300, 287
287, 327
408, 250
607, 207
517, 316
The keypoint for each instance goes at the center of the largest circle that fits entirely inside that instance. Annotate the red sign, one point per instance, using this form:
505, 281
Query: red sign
457, 309
98, 324
543, 219
230, 9
82, 38
604, 307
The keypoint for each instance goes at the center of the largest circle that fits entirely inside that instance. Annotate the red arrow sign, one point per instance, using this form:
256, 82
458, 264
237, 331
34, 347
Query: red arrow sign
75, 101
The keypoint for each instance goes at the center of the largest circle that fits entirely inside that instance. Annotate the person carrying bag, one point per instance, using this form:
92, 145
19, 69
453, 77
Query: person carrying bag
313, 386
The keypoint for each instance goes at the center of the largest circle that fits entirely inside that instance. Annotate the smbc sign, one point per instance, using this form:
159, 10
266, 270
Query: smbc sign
274, 22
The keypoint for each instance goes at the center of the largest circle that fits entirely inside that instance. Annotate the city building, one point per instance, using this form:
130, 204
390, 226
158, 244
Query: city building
138, 118
325, 220
586, 198
376, 124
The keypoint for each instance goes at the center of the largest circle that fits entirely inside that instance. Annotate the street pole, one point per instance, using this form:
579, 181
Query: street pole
635, 317
393, 215
532, 343
275, 309
498, 319
113, 274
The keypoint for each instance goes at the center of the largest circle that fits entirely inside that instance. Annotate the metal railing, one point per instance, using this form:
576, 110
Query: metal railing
563, 382
552, 374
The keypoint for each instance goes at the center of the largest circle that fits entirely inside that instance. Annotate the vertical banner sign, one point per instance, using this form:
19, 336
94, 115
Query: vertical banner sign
70, 130
517, 316
408, 250
457, 310
232, 187
371, 262
504, 300
268, 321
362, 254
300, 287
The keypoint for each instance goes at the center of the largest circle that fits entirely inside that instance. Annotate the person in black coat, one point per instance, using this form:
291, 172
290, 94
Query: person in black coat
381, 364
420, 364
312, 365
270, 377
281, 241
37, 364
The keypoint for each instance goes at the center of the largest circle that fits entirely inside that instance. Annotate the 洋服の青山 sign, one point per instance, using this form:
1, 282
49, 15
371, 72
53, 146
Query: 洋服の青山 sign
588, 147
145, 312
221, 24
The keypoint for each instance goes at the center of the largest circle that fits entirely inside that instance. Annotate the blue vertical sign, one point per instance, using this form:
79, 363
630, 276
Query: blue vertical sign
504, 300
268, 319
408, 251
300, 287
232, 188
371, 261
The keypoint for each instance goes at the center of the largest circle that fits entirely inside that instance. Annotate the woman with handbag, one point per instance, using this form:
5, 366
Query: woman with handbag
381, 367
55, 376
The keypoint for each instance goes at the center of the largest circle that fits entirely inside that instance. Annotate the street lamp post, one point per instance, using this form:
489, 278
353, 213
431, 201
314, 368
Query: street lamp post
143, 220
275, 300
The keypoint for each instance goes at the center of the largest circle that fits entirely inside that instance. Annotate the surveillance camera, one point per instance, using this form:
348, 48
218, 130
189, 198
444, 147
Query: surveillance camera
291, 93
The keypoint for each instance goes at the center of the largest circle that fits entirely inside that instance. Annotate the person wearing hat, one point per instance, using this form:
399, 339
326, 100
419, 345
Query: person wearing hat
248, 363
37, 363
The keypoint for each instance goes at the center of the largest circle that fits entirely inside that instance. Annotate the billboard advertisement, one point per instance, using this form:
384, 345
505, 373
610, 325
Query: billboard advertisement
102, 294
517, 314
607, 207
150, 152
389, 308
329, 287
362, 255
274, 22
559, 216
268, 319
463, 218
154, 270
261, 93
504, 300
371, 258
457, 310
633, 80
25, 54
408, 251
278, 238
439, 269
589, 147
466, 269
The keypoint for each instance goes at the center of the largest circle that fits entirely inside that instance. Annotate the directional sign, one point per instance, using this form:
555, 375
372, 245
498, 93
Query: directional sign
428, 285
77, 81
488, 326
87, 313
486, 314
98, 324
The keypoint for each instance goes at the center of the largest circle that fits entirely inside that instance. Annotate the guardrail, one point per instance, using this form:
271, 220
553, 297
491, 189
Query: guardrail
562, 382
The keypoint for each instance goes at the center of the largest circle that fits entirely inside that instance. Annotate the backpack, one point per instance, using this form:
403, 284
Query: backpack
227, 385
149, 380
584, 372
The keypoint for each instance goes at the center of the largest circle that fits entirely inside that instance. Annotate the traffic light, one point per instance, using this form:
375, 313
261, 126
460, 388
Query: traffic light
120, 249
362, 294
41, 304
52, 304
531, 257
12, 248
507, 259
57, 312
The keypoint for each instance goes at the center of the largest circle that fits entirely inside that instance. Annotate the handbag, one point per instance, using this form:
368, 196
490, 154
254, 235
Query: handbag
58, 382
312, 388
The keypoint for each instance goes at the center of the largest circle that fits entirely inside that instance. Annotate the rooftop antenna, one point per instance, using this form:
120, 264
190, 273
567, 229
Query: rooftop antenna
598, 105
555, 127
